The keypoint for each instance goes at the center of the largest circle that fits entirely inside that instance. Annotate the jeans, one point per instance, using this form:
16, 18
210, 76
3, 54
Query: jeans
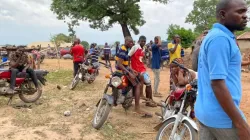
76, 67
156, 79
106, 57
15, 71
208, 133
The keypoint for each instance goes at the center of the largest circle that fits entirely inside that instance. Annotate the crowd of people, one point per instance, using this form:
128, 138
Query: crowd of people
217, 59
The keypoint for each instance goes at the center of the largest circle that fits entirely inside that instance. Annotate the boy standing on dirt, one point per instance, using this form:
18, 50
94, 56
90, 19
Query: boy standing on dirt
78, 54
156, 63
137, 54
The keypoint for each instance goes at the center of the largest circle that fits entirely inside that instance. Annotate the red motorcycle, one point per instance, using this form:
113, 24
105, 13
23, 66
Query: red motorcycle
87, 72
24, 87
178, 118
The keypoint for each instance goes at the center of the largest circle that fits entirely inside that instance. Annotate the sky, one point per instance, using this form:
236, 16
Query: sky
26, 21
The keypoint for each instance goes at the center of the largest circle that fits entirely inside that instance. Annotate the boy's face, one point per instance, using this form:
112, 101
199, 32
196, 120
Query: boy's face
142, 42
156, 40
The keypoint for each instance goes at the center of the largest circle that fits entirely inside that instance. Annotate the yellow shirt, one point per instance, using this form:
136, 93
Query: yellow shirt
176, 54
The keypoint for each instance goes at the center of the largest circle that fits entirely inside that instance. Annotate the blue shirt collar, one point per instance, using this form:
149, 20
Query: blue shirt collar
224, 29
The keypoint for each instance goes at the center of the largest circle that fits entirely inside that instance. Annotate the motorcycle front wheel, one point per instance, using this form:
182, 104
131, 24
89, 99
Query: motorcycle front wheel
101, 114
75, 81
30, 96
184, 131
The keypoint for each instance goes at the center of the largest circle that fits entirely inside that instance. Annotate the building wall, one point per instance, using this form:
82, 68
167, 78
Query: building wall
244, 44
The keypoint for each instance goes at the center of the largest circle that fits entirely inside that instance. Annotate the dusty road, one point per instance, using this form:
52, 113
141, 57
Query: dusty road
45, 119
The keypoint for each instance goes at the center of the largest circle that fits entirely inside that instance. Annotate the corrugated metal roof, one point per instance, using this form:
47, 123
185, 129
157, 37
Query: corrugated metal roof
244, 36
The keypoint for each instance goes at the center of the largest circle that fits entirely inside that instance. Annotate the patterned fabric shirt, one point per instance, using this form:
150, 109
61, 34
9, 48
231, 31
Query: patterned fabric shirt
94, 56
14, 56
106, 50
122, 54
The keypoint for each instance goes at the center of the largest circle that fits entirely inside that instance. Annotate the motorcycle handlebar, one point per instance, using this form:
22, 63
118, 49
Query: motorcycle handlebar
181, 66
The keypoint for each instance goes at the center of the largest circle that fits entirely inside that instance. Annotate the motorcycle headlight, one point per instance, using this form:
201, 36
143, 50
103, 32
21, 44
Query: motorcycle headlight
116, 81
80, 75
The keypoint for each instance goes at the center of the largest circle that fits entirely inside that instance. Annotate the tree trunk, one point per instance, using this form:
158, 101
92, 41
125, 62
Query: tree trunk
125, 30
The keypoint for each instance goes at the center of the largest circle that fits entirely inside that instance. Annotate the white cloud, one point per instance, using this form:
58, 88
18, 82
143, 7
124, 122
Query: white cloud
36, 14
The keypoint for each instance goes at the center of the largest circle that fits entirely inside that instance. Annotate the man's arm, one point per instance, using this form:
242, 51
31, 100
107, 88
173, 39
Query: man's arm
28, 64
245, 63
195, 56
225, 99
119, 64
13, 63
172, 50
132, 51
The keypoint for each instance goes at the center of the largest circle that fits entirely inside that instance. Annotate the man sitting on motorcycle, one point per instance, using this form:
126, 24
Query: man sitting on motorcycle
137, 54
122, 59
19, 63
179, 76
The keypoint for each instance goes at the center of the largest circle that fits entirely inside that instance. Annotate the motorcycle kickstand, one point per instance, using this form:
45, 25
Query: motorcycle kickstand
10, 100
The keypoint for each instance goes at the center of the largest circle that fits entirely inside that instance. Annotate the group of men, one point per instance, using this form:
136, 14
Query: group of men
219, 73
217, 59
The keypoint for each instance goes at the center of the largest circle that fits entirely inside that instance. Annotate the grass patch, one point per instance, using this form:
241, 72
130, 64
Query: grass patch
110, 133
61, 76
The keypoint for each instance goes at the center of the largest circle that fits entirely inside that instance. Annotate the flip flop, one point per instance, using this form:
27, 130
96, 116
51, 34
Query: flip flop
158, 95
151, 104
144, 115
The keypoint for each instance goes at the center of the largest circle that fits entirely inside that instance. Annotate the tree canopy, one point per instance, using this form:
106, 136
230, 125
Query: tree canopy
58, 39
203, 15
102, 14
85, 44
187, 35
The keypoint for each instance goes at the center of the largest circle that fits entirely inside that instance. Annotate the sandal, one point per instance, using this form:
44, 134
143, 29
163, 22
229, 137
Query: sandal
157, 95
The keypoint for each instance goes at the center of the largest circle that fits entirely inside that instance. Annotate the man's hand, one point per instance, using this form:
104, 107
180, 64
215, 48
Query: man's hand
243, 131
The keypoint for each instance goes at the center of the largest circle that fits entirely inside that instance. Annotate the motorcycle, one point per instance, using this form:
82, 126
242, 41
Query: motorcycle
24, 88
177, 113
121, 94
86, 72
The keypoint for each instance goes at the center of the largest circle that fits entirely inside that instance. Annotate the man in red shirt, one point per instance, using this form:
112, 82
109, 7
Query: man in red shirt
136, 54
78, 54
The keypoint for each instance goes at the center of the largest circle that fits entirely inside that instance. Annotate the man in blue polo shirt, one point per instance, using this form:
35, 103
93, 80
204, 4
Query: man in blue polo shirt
219, 77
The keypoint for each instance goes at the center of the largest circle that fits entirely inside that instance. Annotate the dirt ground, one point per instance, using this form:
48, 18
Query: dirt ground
45, 120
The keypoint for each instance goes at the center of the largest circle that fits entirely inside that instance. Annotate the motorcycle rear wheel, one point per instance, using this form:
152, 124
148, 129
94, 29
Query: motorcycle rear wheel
169, 124
75, 82
30, 98
101, 114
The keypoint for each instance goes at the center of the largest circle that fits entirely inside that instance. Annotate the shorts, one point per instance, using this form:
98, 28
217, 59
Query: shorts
147, 80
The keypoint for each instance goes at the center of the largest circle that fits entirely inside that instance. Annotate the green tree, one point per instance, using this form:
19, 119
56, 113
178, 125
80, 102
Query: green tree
102, 14
203, 15
60, 38
85, 44
187, 35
